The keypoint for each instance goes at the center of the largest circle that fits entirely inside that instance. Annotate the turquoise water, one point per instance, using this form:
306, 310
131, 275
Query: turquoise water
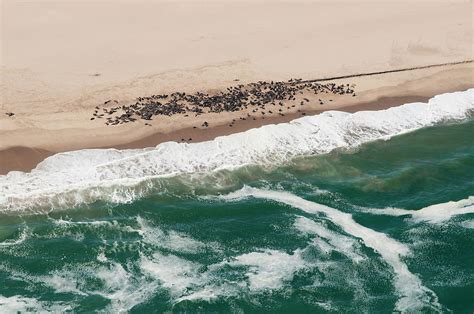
328, 233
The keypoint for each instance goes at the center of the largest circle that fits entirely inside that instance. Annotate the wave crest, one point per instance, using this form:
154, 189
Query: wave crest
85, 176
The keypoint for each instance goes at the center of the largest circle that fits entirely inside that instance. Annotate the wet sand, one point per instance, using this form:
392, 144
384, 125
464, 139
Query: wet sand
442, 81
26, 158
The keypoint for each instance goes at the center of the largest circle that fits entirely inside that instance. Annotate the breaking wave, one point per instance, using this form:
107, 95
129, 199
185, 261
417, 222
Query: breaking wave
120, 176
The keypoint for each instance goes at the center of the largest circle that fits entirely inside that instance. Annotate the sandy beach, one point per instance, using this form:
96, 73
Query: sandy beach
52, 81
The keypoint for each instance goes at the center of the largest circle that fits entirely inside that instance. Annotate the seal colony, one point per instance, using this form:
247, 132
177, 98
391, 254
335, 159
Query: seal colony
257, 96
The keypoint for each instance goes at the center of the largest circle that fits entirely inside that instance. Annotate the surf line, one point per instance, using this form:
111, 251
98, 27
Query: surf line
412, 294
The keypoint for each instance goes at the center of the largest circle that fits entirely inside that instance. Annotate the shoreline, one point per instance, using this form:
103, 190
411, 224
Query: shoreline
375, 92
202, 135
22, 158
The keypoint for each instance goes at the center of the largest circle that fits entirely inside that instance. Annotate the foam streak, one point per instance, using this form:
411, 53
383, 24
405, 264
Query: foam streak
433, 214
413, 295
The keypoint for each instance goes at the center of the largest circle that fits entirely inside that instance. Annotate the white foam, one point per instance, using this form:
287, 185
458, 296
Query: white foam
269, 269
433, 214
127, 286
467, 224
213, 291
62, 283
71, 229
170, 240
85, 176
413, 295
174, 273
21, 238
332, 240
19, 304
122, 288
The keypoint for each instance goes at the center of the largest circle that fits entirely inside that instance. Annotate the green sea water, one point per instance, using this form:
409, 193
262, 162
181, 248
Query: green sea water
328, 233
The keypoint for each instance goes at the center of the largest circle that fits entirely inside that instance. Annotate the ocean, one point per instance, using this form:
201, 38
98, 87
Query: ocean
339, 212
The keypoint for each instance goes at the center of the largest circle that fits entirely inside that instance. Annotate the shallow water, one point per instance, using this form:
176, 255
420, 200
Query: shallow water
346, 231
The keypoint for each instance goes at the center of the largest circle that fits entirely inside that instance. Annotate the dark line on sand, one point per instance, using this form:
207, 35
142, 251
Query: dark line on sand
384, 72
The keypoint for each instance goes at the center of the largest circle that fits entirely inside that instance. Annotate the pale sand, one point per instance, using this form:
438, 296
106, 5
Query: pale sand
51, 52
